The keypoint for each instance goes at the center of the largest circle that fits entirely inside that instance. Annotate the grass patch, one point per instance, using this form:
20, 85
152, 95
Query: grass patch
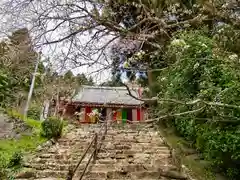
35, 124
24, 144
9, 148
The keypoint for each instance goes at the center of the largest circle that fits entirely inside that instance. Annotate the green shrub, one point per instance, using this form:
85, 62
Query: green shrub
200, 69
14, 114
16, 159
52, 128
34, 112
3, 166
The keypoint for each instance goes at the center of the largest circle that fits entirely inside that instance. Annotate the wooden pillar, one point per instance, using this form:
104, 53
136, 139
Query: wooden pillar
109, 114
87, 111
82, 115
142, 114
138, 114
115, 115
134, 114
145, 117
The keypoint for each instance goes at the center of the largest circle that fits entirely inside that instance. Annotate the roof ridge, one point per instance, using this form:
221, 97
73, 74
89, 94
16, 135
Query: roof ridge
105, 94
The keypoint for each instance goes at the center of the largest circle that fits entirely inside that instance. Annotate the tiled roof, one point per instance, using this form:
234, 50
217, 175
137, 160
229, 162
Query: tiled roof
106, 95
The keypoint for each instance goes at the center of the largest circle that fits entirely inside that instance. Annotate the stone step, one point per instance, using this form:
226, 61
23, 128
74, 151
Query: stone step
75, 143
129, 167
63, 149
103, 158
122, 133
133, 148
53, 166
133, 140
143, 142
118, 174
48, 178
100, 175
79, 138
89, 178
100, 164
57, 161
146, 175
126, 153
131, 155
62, 167
136, 175
155, 162
59, 156
49, 173
63, 174
136, 131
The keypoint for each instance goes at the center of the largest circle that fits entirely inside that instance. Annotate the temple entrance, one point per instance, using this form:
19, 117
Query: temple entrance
78, 114
129, 115
103, 114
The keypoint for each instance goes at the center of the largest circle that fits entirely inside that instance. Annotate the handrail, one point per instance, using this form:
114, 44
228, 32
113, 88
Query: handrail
94, 142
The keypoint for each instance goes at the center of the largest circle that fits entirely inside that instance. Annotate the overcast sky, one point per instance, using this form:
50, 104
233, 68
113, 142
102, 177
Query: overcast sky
10, 23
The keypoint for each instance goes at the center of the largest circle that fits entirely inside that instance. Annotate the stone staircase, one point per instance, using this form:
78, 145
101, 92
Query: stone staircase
127, 153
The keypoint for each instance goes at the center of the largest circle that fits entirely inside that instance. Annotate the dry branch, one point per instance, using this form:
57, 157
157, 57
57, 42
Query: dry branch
197, 101
175, 115
151, 101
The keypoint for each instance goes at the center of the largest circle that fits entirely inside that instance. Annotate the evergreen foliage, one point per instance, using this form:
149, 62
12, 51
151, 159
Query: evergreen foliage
52, 128
201, 68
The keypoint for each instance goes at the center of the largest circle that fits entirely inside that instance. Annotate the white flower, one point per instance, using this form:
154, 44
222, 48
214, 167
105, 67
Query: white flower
178, 42
140, 53
177, 4
220, 30
147, 89
172, 18
204, 45
131, 59
196, 66
233, 57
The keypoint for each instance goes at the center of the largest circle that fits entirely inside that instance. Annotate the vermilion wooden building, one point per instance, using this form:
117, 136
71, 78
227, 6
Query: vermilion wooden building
114, 103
